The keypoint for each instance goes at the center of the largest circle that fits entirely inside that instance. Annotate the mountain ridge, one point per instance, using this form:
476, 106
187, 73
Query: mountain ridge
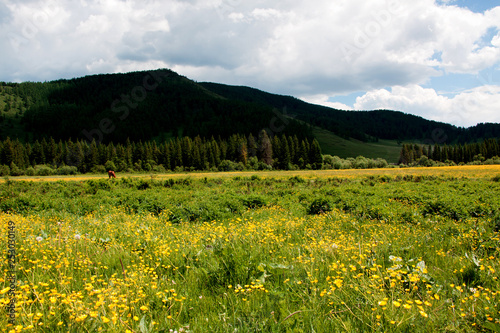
162, 104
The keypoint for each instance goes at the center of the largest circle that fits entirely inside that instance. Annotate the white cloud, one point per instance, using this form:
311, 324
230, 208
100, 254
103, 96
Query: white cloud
325, 101
325, 48
464, 109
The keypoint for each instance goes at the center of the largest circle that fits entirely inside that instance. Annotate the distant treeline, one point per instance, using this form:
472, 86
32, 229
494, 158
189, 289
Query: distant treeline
461, 153
238, 152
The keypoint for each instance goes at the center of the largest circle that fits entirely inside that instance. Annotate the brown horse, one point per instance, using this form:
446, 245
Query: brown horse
111, 174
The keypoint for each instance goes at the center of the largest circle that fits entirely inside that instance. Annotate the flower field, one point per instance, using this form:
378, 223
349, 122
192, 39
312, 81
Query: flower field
386, 252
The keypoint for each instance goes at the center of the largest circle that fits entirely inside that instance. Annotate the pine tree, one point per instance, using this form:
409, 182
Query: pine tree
265, 148
316, 159
251, 146
37, 154
405, 156
7, 152
286, 159
296, 148
92, 159
277, 152
243, 158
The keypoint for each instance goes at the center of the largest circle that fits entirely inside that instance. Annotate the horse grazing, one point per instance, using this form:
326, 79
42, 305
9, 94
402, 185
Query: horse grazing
111, 174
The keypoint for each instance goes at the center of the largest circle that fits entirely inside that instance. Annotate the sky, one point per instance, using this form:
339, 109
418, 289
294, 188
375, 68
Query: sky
439, 59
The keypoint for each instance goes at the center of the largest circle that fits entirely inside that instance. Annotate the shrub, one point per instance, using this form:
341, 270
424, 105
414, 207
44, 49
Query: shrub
227, 165
67, 170
98, 184
297, 179
254, 201
30, 171
15, 171
264, 167
492, 161
143, 185
110, 165
4, 170
43, 170
159, 168
319, 206
98, 169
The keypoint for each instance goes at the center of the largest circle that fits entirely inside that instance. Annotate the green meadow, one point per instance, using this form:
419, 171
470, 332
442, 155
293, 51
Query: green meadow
381, 251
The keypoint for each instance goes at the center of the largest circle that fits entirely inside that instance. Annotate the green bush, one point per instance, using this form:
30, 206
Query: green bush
98, 169
319, 206
110, 165
254, 201
159, 169
143, 185
43, 170
94, 185
67, 170
30, 171
227, 165
4, 170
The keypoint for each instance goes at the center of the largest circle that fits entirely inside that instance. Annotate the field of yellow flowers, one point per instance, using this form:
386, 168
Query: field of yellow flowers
384, 252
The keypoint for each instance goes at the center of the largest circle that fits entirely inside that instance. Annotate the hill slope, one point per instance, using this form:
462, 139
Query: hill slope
138, 106
362, 125
162, 104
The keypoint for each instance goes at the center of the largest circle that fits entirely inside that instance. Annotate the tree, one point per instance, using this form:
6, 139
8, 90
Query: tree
37, 154
315, 157
405, 157
265, 148
110, 165
7, 152
251, 146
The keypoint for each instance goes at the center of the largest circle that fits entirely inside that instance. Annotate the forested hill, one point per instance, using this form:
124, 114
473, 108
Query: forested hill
137, 106
361, 125
162, 104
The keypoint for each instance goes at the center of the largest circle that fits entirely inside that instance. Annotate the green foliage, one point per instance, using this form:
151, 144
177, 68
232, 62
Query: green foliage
427, 243
65, 108
178, 155
4, 170
67, 170
486, 153
319, 206
368, 126
110, 165
43, 170
254, 201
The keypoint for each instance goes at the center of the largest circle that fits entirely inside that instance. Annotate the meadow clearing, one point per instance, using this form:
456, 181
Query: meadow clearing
391, 250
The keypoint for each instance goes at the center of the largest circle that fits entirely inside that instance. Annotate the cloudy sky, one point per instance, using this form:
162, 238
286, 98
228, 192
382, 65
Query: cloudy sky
439, 59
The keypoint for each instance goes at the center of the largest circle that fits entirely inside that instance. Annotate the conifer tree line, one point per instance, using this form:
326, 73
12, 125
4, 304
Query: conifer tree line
238, 152
462, 153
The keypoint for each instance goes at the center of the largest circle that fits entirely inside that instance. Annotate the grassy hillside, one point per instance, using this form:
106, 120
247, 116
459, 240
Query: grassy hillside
334, 145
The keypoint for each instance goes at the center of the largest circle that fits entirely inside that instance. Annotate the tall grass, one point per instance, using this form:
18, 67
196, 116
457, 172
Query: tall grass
254, 254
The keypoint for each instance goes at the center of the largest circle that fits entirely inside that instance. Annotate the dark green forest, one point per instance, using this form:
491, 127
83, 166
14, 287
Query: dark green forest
139, 106
458, 154
362, 125
236, 153
162, 104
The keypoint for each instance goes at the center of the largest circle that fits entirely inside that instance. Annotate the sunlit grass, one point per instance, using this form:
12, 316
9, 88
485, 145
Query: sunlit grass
466, 171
